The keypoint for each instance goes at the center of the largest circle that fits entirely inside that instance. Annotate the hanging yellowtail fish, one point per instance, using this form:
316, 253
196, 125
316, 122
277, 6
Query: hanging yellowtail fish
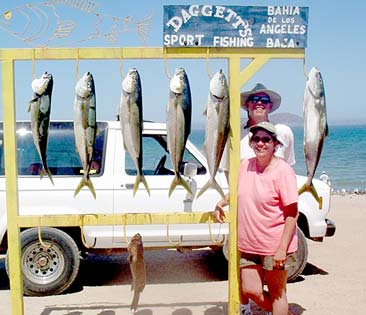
217, 128
40, 109
85, 127
315, 127
138, 268
131, 119
178, 120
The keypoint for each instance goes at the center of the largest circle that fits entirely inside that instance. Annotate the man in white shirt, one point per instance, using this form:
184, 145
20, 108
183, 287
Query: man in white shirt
259, 103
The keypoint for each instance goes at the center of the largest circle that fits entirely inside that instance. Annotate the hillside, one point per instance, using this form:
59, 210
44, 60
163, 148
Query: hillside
283, 118
287, 119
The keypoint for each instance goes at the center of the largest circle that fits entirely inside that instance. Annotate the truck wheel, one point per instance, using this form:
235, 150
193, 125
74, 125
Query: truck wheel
48, 270
301, 256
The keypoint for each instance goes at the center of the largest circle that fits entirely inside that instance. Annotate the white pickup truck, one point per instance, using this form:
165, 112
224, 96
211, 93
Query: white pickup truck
52, 269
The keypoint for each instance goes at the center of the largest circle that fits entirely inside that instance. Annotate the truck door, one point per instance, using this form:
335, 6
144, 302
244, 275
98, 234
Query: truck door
158, 171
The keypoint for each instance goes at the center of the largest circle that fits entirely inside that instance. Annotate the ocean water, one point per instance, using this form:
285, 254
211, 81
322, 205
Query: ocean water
343, 157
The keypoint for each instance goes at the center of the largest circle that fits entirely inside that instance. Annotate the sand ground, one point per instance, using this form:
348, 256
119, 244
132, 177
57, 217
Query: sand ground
333, 282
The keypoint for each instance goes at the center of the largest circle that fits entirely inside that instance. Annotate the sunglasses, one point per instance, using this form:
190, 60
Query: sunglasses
256, 139
263, 99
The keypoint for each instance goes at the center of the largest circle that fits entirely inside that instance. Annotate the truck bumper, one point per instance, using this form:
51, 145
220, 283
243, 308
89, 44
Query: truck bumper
329, 231
331, 228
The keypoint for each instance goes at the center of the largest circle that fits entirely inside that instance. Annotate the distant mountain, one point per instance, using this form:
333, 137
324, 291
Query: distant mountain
294, 120
277, 118
348, 122
287, 119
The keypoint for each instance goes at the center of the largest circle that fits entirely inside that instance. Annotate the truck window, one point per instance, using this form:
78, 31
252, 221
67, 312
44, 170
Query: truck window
154, 150
62, 157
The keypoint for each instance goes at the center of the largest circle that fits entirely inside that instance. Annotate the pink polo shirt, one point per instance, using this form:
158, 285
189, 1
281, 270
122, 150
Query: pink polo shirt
261, 201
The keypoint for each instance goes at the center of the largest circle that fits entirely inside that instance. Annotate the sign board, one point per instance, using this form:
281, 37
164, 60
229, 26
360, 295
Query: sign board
235, 26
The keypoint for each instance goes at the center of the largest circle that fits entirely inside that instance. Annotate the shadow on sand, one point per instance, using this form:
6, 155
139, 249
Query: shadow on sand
144, 309
162, 266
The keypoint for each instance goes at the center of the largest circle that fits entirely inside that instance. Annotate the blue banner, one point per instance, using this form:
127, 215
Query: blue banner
235, 26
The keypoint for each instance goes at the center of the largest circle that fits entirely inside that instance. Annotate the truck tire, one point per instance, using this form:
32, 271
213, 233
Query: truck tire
301, 257
47, 270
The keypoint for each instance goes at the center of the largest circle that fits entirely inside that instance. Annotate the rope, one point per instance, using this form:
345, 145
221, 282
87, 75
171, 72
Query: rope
41, 240
166, 68
121, 64
208, 65
83, 236
77, 65
170, 241
305, 72
125, 231
215, 241
33, 64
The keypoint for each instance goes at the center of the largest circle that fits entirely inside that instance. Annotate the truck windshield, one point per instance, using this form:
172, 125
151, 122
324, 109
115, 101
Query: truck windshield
155, 151
62, 157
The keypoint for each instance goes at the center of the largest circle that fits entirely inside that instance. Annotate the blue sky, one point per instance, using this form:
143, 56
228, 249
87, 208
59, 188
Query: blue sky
336, 45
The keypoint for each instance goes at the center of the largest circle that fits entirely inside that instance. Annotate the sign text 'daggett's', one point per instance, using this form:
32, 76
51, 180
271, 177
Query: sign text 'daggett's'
235, 26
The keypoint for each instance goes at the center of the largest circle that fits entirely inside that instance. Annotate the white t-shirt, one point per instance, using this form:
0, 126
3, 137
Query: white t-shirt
286, 151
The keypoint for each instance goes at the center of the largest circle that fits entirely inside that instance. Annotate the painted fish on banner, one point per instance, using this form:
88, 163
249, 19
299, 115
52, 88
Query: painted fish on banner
235, 26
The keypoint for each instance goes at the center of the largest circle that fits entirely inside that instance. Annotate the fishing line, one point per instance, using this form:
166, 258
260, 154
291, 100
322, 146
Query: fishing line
77, 64
305, 72
207, 64
166, 68
33, 64
121, 64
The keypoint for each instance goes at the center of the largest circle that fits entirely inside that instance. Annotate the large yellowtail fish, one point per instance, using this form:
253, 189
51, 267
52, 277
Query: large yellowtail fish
40, 109
131, 119
138, 268
315, 127
217, 128
178, 120
85, 127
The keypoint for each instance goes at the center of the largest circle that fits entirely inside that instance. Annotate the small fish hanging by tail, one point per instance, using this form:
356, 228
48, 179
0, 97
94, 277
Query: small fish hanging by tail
138, 268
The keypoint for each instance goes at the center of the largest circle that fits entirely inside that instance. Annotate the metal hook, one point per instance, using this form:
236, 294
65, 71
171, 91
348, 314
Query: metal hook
83, 236
207, 64
41, 240
170, 241
215, 241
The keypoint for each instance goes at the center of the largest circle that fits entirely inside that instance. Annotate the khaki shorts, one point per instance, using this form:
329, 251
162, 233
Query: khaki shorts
266, 262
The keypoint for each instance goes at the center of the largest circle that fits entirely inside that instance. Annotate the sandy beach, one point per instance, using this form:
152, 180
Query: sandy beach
333, 282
